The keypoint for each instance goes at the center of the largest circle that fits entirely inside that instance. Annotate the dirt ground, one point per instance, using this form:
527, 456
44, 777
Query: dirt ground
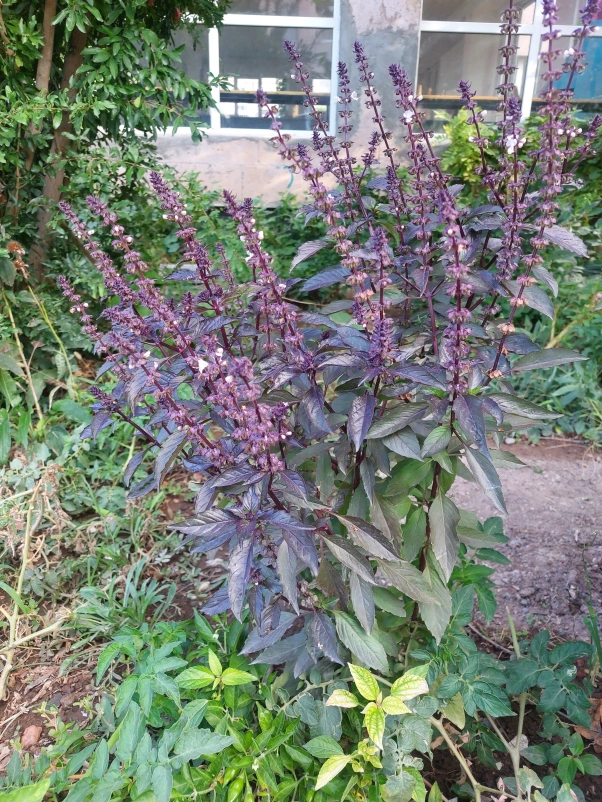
555, 530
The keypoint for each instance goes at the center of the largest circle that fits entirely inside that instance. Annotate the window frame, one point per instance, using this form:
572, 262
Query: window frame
274, 21
535, 30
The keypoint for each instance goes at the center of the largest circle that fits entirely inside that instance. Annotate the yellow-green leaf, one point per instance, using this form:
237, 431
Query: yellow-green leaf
195, 677
394, 706
409, 686
232, 676
375, 723
214, 664
341, 698
330, 769
365, 682
454, 711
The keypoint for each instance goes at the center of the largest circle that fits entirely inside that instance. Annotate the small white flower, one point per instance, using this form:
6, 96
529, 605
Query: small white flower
202, 365
354, 96
260, 235
219, 351
569, 52
408, 116
147, 354
229, 379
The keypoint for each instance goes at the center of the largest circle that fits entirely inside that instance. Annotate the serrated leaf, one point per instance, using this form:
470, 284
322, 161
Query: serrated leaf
350, 556
409, 686
363, 601
405, 443
443, 519
287, 571
487, 477
330, 769
407, 578
564, 238
374, 719
365, 682
365, 647
323, 747
454, 711
436, 441
214, 664
341, 698
396, 419
547, 358
324, 636
195, 677
368, 537
241, 560
169, 450
306, 250
8, 363
359, 421
394, 706
105, 658
233, 676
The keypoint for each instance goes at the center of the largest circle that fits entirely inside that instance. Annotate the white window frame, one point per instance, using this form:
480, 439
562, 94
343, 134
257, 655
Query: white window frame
274, 21
535, 30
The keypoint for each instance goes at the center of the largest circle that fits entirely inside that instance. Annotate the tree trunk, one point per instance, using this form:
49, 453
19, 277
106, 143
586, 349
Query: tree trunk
44, 66
53, 179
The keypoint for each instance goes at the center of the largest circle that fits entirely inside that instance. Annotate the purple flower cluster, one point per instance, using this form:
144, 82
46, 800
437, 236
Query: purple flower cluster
295, 420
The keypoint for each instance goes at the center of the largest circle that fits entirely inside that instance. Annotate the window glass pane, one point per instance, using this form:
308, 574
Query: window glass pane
447, 58
253, 58
474, 10
195, 58
568, 12
587, 85
295, 8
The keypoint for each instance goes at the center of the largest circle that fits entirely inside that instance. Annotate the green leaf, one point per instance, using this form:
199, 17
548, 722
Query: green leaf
535, 754
409, 686
454, 711
27, 793
436, 441
487, 476
73, 411
323, 747
435, 794
195, 677
519, 406
547, 358
162, 780
369, 538
4, 436
330, 769
106, 657
522, 674
8, 363
592, 765
487, 602
374, 719
444, 518
366, 648
365, 682
407, 578
395, 420
405, 443
394, 706
214, 664
566, 794
232, 676
196, 743
341, 698
389, 602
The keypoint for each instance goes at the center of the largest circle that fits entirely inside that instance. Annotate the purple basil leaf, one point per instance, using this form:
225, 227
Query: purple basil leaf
240, 562
310, 413
333, 275
282, 652
143, 487
470, 417
132, 467
324, 637
256, 642
298, 537
350, 556
361, 412
218, 603
306, 250
168, 452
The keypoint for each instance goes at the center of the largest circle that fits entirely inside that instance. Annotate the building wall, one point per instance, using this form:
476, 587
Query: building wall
249, 166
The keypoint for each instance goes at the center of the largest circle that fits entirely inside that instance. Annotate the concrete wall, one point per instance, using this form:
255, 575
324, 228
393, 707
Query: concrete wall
248, 166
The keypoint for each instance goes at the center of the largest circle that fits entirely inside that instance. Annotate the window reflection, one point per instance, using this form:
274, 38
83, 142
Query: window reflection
253, 58
296, 8
474, 10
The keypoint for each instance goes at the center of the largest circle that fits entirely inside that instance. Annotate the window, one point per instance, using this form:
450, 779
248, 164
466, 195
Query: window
248, 51
460, 39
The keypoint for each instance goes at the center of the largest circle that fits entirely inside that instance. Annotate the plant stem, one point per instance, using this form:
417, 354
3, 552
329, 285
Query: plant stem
23, 360
42, 309
14, 617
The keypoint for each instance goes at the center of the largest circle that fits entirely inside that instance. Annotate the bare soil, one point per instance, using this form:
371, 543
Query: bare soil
555, 530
